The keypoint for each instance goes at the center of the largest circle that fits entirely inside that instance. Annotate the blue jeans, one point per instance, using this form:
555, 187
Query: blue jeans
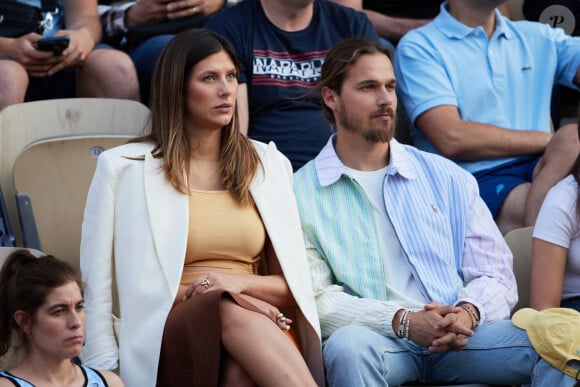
145, 57
498, 353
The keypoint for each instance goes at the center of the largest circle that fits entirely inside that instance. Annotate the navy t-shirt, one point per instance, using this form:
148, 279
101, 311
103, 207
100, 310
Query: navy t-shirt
281, 68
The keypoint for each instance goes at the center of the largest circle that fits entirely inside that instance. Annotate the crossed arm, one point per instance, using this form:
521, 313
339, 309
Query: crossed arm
122, 14
468, 140
271, 288
158, 11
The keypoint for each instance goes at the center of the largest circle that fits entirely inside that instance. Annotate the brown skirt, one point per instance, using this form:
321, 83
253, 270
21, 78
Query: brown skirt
191, 345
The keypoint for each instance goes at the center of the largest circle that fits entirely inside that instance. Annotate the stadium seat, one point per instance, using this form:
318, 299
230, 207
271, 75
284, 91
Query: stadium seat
520, 243
51, 181
24, 123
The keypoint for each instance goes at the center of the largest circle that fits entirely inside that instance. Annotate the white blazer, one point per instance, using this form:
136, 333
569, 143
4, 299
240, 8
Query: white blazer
136, 223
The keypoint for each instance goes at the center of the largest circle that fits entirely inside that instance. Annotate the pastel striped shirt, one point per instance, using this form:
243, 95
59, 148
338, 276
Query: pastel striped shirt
452, 244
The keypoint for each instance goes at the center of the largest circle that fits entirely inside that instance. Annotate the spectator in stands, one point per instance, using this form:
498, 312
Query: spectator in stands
145, 46
42, 306
413, 280
188, 214
393, 19
555, 279
282, 45
476, 88
84, 69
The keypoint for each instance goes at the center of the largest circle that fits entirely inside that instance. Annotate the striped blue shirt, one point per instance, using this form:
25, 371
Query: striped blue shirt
451, 243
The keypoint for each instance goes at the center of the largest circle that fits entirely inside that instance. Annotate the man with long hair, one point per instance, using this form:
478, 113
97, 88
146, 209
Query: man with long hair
412, 278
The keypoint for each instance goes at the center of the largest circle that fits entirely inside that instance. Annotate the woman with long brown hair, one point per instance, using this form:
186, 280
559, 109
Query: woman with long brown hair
199, 225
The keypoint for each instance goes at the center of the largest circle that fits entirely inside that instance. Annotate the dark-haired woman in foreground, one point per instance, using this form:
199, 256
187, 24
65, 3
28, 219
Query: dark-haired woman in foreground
42, 305
193, 214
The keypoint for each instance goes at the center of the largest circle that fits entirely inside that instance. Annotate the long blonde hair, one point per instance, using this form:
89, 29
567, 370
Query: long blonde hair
239, 160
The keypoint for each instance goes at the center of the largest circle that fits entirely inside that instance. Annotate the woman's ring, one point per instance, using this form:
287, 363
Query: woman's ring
280, 317
205, 283
194, 10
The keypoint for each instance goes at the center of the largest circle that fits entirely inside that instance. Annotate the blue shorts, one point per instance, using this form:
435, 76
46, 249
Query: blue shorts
573, 303
59, 85
496, 183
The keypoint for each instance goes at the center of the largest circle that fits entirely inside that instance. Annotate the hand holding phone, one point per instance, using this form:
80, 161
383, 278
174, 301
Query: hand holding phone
55, 44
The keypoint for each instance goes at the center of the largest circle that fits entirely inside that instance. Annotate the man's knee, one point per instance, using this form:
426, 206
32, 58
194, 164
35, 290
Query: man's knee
356, 356
511, 214
351, 347
108, 73
13, 82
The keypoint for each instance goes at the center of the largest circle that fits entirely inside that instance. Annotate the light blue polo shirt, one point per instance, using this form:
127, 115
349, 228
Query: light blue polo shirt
505, 80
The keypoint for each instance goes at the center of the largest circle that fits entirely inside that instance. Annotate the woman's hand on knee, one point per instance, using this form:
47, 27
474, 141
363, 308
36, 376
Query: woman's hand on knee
212, 281
198, 286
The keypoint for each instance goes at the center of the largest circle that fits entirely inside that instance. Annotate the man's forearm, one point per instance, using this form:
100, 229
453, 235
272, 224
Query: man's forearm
468, 140
83, 15
91, 25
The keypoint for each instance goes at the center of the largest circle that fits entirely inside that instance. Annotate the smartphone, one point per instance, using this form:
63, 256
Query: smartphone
55, 44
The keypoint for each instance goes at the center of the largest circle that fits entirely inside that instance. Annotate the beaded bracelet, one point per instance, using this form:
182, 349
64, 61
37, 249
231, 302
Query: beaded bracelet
401, 328
472, 315
404, 324
407, 325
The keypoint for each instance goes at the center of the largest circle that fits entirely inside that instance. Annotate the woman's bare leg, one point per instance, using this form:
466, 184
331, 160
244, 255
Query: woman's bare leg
233, 375
261, 348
